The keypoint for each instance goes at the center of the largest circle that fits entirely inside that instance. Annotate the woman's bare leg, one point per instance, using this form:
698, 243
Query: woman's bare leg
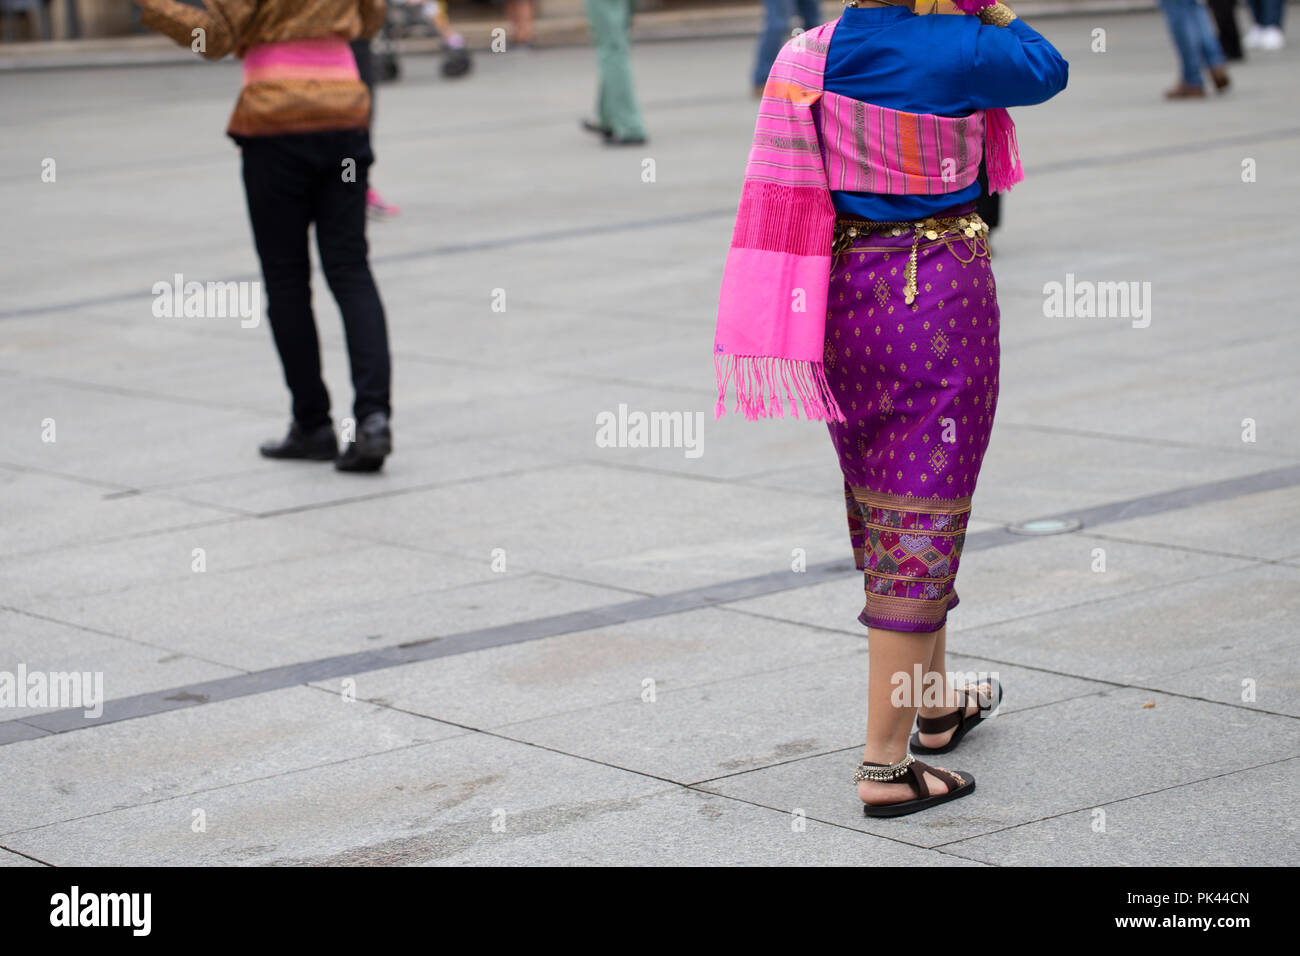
888, 724
939, 665
519, 13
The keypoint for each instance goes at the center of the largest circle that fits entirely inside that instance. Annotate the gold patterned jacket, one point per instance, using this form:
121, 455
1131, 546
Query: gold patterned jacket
291, 105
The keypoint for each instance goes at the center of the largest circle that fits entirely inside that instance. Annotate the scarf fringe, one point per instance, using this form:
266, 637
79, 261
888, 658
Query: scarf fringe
759, 381
1001, 150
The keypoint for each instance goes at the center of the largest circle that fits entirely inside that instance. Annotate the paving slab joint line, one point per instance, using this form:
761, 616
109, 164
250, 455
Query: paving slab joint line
1108, 803
696, 786
414, 745
25, 856
724, 213
830, 823
500, 735
1186, 549
941, 847
854, 747
1106, 682
700, 783
279, 678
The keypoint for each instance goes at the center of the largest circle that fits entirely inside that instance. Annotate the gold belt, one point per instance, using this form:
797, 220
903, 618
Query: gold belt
971, 227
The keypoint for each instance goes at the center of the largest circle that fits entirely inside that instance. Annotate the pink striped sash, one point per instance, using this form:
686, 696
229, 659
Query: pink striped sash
319, 58
772, 309
873, 149
771, 332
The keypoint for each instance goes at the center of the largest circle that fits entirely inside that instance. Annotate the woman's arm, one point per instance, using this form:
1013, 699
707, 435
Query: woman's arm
221, 23
1013, 65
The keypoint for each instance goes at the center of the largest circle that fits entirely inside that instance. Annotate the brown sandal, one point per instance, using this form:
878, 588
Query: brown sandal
958, 718
911, 772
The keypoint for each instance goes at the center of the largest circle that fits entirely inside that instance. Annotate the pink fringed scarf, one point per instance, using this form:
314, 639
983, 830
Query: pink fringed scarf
1001, 151
772, 311
771, 328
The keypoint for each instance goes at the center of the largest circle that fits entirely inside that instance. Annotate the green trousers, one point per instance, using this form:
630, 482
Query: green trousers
616, 105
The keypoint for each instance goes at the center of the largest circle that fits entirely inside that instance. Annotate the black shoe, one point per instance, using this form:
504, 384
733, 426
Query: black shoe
317, 444
374, 443
593, 126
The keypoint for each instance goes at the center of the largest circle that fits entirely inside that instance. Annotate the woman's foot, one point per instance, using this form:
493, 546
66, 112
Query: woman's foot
1185, 91
888, 790
971, 701
377, 207
882, 794
595, 126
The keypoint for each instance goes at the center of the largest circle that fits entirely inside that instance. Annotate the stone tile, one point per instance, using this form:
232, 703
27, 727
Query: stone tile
499, 600
1044, 762
269, 487
1232, 820
618, 528
1267, 681
699, 829
573, 673
1260, 525
409, 805
1030, 577
233, 617
160, 558
123, 440
14, 859
125, 350
87, 513
1029, 473
758, 720
1160, 637
183, 753
124, 667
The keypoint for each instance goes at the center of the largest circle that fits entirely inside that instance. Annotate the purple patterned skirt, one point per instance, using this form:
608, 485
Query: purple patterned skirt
918, 384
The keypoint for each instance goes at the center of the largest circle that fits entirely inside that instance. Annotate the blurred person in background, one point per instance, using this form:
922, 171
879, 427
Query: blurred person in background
1266, 34
436, 13
375, 204
618, 116
1225, 22
520, 15
776, 31
431, 16
302, 124
1197, 46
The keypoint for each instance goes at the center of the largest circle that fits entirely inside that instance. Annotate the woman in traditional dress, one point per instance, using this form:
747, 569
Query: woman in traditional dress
858, 291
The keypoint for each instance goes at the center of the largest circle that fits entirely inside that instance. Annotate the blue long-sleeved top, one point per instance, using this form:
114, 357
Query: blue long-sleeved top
944, 64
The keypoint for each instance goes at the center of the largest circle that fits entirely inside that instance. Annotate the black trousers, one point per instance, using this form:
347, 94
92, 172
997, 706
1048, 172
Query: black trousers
292, 181
1226, 23
988, 205
366, 69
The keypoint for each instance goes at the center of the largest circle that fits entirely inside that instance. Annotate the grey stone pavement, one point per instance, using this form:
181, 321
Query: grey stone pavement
647, 681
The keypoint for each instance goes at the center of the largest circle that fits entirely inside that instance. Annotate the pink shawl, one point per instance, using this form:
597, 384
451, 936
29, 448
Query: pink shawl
772, 310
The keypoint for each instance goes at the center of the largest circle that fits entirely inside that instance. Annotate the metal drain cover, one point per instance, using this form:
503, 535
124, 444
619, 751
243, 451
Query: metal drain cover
1045, 526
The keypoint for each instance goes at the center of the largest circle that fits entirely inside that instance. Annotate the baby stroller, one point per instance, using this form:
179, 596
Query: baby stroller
403, 19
